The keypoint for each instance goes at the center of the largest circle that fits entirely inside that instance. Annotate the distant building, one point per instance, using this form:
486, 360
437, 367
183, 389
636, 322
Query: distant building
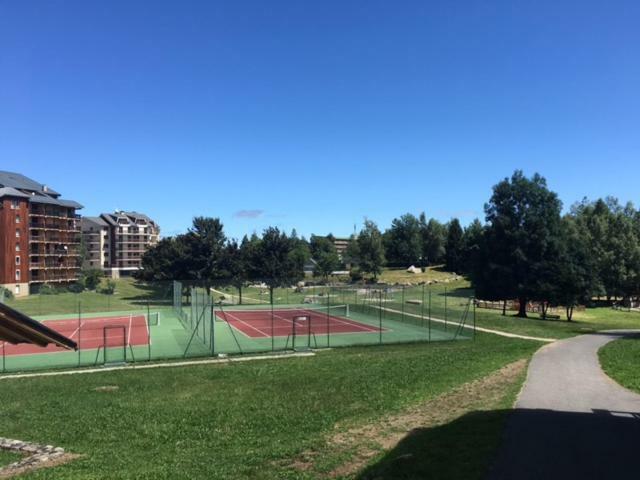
341, 244
39, 235
115, 242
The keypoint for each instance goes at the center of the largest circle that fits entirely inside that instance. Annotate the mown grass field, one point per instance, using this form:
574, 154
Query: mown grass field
619, 360
241, 420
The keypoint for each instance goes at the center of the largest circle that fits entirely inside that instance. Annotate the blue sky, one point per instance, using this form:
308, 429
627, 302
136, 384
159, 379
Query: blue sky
314, 115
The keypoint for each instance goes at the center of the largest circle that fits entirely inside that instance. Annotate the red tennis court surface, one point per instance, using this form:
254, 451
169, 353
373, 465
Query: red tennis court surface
259, 324
91, 333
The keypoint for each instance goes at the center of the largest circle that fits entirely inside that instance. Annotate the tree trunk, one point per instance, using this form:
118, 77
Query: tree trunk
239, 295
545, 307
569, 313
522, 308
271, 295
504, 308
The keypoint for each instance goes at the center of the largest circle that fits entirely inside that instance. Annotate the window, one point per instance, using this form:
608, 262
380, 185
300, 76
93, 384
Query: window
17, 218
17, 247
17, 290
17, 233
17, 260
17, 275
15, 204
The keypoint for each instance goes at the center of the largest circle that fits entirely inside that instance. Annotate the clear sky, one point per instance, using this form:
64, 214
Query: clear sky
314, 115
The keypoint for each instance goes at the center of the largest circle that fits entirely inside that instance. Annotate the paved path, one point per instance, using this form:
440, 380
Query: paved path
571, 420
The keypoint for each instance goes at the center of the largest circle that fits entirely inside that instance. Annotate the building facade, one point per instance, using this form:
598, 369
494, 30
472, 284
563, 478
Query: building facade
115, 242
39, 235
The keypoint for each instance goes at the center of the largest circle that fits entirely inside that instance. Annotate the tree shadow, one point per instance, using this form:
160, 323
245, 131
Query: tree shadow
152, 294
517, 444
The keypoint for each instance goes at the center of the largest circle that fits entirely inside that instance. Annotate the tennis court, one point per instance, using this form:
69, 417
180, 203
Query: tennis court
284, 322
91, 333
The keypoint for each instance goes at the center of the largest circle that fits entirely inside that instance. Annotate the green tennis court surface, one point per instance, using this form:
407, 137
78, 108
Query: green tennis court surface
200, 325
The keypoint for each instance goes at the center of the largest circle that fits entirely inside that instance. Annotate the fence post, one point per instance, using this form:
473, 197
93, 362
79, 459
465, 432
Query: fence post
380, 314
213, 326
445, 309
402, 297
429, 314
473, 299
79, 334
328, 321
273, 345
3, 357
422, 308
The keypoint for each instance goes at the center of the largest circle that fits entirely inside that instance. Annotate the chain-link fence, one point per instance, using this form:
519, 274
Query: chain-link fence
175, 320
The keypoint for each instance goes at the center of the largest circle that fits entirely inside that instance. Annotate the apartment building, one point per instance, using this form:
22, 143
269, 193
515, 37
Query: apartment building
39, 235
115, 242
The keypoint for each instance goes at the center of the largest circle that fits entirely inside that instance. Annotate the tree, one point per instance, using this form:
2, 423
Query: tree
523, 237
370, 249
471, 245
277, 259
454, 246
403, 241
205, 244
433, 240
575, 274
234, 264
323, 251
167, 260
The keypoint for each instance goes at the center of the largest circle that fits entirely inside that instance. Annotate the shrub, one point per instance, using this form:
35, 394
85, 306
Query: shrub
5, 294
91, 278
109, 287
75, 288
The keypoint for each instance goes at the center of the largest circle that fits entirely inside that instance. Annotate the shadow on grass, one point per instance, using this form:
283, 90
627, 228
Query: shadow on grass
152, 294
536, 444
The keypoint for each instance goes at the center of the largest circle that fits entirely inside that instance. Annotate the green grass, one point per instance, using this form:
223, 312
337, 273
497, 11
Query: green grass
591, 320
619, 360
129, 295
7, 457
400, 275
235, 421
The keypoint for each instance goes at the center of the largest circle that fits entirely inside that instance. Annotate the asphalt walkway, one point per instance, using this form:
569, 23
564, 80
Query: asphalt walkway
571, 420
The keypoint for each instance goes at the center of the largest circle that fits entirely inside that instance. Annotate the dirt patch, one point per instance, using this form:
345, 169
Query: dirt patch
365, 442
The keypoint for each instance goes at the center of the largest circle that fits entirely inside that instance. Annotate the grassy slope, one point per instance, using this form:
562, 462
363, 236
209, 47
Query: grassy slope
619, 359
236, 421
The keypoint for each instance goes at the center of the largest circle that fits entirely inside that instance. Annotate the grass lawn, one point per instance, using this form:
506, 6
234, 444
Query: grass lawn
129, 295
246, 420
7, 457
591, 320
619, 359
400, 275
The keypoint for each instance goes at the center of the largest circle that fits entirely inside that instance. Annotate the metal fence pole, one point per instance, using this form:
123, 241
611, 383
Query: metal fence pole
445, 309
402, 299
422, 308
273, 344
380, 315
473, 299
213, 326
429, 314
79, 334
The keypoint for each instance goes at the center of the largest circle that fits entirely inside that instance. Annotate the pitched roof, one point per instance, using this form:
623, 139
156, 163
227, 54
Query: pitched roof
16, 327
97, 220
12, 192
17, 180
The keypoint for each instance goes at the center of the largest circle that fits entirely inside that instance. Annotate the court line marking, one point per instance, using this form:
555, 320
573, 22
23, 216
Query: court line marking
245, 323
